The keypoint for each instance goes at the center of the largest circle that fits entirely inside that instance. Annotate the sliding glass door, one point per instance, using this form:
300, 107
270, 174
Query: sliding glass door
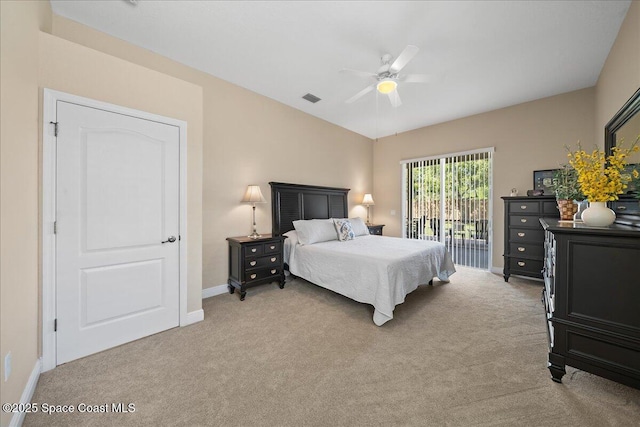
448, 198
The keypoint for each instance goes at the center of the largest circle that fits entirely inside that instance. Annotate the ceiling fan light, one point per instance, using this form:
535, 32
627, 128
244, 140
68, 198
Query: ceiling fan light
386, 86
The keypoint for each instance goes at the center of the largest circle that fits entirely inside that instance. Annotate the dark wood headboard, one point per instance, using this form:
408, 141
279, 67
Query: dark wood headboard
291, 202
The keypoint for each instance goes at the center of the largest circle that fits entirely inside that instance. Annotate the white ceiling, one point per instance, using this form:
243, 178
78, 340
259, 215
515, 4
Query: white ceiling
483, 55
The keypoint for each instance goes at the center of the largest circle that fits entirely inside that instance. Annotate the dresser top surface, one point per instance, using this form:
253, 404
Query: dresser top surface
557, 226
262, 239
528, 198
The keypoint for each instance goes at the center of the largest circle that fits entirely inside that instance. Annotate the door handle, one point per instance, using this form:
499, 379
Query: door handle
171, 239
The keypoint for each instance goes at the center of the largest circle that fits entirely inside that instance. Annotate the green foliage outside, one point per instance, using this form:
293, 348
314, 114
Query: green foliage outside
466, 189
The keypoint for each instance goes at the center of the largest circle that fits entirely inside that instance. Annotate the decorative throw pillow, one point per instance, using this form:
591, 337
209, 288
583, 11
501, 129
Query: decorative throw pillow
357, 225
343, 227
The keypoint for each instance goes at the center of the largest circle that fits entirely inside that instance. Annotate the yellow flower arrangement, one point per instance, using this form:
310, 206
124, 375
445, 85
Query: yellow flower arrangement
602, 177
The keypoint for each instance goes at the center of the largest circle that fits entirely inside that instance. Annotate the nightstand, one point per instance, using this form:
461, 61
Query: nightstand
375, 229
254, 262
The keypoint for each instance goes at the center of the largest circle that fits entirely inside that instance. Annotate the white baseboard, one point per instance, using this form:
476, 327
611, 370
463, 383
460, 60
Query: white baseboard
194, 317
27, 394
496, 270
198, 315
214, 290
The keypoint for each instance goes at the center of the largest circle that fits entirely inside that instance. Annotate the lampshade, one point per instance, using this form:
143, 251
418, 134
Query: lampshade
367, 200
253, 195
386, 86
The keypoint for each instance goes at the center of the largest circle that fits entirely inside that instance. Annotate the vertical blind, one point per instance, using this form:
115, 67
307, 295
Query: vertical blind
448, 199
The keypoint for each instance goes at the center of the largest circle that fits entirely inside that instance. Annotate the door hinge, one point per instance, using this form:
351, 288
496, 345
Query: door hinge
55, 128
55, 227
55, 325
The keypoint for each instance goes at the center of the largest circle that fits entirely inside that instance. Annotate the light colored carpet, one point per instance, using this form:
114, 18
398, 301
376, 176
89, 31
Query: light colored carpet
471, 352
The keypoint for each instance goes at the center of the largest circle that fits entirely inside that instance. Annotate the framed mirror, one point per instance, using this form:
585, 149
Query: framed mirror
624, 128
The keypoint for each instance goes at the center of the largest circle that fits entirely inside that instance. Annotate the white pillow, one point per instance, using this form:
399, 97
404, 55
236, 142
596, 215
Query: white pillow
359, 227
344, 230
312, 231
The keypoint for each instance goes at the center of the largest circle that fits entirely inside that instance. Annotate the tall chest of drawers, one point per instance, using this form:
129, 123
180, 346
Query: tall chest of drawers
523, 234
255, 262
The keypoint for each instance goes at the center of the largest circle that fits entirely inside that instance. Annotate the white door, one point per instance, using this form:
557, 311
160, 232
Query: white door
117, 196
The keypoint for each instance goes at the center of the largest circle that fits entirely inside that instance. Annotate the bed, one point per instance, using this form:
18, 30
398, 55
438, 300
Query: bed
376, 270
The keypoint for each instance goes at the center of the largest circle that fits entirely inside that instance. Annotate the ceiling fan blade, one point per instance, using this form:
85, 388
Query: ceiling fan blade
357, 73
394, 97
403, 59
416, 78
360, 94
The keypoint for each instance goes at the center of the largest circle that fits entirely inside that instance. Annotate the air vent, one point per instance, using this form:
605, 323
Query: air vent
311, 98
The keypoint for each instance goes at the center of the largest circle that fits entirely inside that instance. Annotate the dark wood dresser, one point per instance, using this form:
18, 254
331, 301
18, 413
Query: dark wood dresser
592, 299
254, 262
523, 234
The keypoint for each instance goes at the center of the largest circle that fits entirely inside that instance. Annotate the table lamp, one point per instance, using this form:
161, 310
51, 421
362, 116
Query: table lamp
253, 196
367, 200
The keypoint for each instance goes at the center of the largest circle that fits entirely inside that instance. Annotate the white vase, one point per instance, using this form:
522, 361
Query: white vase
598, 215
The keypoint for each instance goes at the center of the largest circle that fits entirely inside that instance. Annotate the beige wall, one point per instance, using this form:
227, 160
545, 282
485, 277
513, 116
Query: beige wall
620, 76
20, 24
526, 137
75, 69
248, 139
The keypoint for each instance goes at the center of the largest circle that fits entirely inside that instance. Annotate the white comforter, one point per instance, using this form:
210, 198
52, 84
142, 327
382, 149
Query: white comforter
376, 270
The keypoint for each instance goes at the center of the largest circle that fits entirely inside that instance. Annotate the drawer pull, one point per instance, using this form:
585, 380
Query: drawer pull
521, 249
252, 263
523, 220
621, 208
273, 259
253, 276
272, 247
273, 271
254, 250
523, 207
520, 234
521, 263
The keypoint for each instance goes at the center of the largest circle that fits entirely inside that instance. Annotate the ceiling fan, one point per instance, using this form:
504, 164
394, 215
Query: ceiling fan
387, 77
